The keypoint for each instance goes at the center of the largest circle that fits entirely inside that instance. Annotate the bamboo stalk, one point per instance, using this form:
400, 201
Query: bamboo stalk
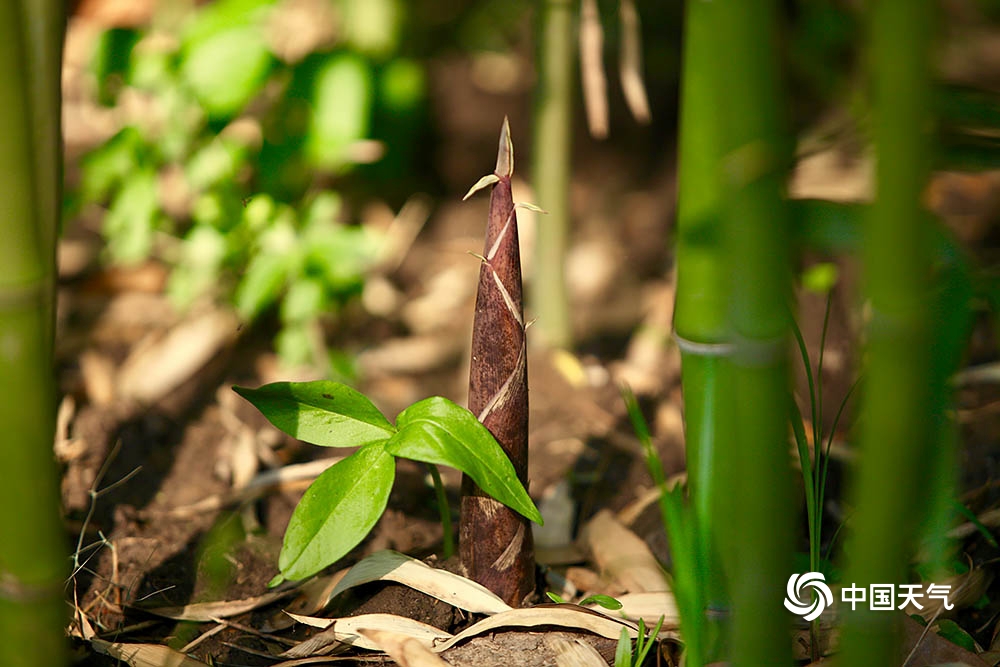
495, 542
32, 548
756, 540
700, 318
551, 170
897, 260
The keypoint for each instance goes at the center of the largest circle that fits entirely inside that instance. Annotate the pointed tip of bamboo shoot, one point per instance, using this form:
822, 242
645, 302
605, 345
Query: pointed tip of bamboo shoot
505, 154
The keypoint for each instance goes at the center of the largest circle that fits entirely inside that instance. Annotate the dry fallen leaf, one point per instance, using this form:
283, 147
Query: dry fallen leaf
407, 652
145, 655
622, 556
561, 615
153, 370
445, 586
208, 611
574, 653
346, 631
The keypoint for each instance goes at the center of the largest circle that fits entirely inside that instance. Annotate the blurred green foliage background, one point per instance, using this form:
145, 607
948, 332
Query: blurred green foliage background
232, 176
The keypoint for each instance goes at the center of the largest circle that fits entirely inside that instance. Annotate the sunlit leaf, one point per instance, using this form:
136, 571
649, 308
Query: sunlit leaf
294, 344
227, 69
131, 219
402, 85
435, 430
215, 162
202, 255
623, 652
372, 26
340, 253
261, 284
305, 300
323, 413
601, 600
341, 110
337, 511
820, 278
106, 166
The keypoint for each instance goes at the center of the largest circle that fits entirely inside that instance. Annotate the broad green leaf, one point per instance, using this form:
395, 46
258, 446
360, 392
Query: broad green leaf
216, 17
435, 430
605, 601
261, 284
106, 166
132, 217
294, 344
227, 69
341, 254
111, 61
341, 110
373, 26
337, 511
202, 255
402, 86
324, 413
305, 300
215, 162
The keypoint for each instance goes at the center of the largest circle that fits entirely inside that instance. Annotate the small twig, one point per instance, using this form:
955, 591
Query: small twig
156, 592
191, 645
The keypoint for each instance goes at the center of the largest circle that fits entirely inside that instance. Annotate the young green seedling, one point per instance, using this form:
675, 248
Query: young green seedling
495, 543
626, 656
340, 508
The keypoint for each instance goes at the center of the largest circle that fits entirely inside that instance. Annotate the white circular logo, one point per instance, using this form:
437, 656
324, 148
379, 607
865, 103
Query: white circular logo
810, 581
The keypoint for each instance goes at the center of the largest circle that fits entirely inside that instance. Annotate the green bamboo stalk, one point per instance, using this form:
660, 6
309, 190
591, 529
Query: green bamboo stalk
32, 558
551, 172
756, 538
702, 298
897, 260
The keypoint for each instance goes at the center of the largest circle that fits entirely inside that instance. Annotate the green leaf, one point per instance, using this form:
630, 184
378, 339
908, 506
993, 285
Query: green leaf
304, 301
324, 413
623, 652
261, 284
437, 431
373, 26
294, 344
341, 254
337, 511
216, 162
111, 61
225, 70
132, 218
605, 601
955, 634
341, 110
105, 167
820, 278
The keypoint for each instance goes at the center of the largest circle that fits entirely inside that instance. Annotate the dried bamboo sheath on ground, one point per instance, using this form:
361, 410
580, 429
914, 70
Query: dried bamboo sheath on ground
495, 542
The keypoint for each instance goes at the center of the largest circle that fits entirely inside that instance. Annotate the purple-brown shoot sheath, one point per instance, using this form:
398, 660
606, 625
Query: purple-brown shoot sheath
495, 542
